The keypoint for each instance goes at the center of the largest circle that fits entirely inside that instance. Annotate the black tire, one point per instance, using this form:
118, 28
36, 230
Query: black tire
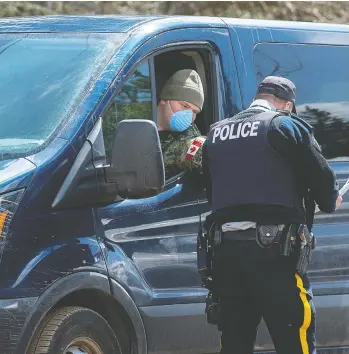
64, 325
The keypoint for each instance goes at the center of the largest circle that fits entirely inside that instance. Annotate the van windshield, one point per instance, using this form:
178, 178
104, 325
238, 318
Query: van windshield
42, 78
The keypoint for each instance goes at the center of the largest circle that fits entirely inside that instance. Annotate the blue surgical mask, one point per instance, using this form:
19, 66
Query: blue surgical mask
181, 120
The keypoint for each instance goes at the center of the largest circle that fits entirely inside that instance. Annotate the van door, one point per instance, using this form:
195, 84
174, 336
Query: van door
151, 243
316, 61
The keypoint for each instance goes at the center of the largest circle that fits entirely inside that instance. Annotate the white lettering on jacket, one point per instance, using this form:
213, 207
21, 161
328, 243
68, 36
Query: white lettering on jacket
236, 131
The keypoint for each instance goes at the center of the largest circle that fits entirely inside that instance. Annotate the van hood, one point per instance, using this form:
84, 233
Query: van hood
15, 174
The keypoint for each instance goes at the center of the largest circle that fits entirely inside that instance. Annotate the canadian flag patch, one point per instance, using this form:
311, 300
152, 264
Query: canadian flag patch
194, 148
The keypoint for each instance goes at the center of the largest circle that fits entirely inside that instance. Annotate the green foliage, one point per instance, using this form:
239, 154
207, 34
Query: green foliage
118, 112
132, 102
313, 11
331, 132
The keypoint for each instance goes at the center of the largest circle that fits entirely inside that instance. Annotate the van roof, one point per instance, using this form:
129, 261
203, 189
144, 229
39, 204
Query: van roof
124, 24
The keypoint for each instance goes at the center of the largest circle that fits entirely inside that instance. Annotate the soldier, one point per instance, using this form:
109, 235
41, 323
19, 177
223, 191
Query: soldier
181, 99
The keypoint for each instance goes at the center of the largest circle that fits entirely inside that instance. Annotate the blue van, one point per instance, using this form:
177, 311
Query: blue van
97, 246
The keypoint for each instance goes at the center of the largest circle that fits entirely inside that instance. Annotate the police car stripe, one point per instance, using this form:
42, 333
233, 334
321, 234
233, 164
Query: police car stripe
307, 316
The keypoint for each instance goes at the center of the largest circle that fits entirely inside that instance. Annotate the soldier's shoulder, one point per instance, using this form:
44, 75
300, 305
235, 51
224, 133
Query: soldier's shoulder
194, 150
177, 143
192, 131
199, 140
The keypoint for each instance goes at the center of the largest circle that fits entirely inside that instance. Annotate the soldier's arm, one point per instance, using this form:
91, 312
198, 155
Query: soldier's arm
293, 141
187, 153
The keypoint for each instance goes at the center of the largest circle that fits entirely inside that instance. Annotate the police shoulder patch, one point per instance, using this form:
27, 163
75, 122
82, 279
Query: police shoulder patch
194, 147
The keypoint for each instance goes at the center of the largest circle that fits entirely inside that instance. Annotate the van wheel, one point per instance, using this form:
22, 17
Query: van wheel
74, 330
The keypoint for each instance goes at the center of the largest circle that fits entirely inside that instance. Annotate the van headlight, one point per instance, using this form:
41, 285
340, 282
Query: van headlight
8, 205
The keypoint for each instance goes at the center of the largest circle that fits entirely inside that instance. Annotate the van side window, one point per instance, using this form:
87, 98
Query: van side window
134, 101
321, 76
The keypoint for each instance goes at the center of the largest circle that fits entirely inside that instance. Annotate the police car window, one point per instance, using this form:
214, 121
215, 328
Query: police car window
134, 101
322, 88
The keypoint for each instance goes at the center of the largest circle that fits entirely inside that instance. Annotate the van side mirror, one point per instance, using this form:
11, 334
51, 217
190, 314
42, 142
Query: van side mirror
136, 164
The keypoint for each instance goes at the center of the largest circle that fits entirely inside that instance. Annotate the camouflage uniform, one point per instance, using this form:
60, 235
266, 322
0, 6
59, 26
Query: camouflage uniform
182, 151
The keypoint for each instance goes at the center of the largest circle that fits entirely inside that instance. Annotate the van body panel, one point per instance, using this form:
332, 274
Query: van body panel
15, 174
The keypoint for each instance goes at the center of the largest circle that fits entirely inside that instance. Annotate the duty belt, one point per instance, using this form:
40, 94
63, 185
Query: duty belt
240, 235
269, 233
291, 238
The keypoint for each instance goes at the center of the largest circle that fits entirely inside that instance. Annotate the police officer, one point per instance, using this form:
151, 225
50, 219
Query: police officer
181, 99
260, 167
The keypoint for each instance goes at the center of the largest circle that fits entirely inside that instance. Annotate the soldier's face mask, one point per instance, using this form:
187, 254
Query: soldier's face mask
180, 120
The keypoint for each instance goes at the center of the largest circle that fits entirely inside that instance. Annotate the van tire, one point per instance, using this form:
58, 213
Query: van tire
63, 328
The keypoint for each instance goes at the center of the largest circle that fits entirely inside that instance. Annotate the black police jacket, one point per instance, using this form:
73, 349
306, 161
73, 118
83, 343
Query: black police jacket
256, 167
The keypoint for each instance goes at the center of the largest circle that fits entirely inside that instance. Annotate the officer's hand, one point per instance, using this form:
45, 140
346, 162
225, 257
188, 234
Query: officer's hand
339, 201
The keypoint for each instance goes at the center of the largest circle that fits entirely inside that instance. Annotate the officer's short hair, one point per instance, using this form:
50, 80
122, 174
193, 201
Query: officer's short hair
280, 87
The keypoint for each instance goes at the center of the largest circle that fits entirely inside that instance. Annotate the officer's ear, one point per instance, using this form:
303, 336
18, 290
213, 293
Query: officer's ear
288, 106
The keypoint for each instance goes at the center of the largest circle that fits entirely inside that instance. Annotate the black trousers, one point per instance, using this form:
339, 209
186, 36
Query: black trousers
254, 283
